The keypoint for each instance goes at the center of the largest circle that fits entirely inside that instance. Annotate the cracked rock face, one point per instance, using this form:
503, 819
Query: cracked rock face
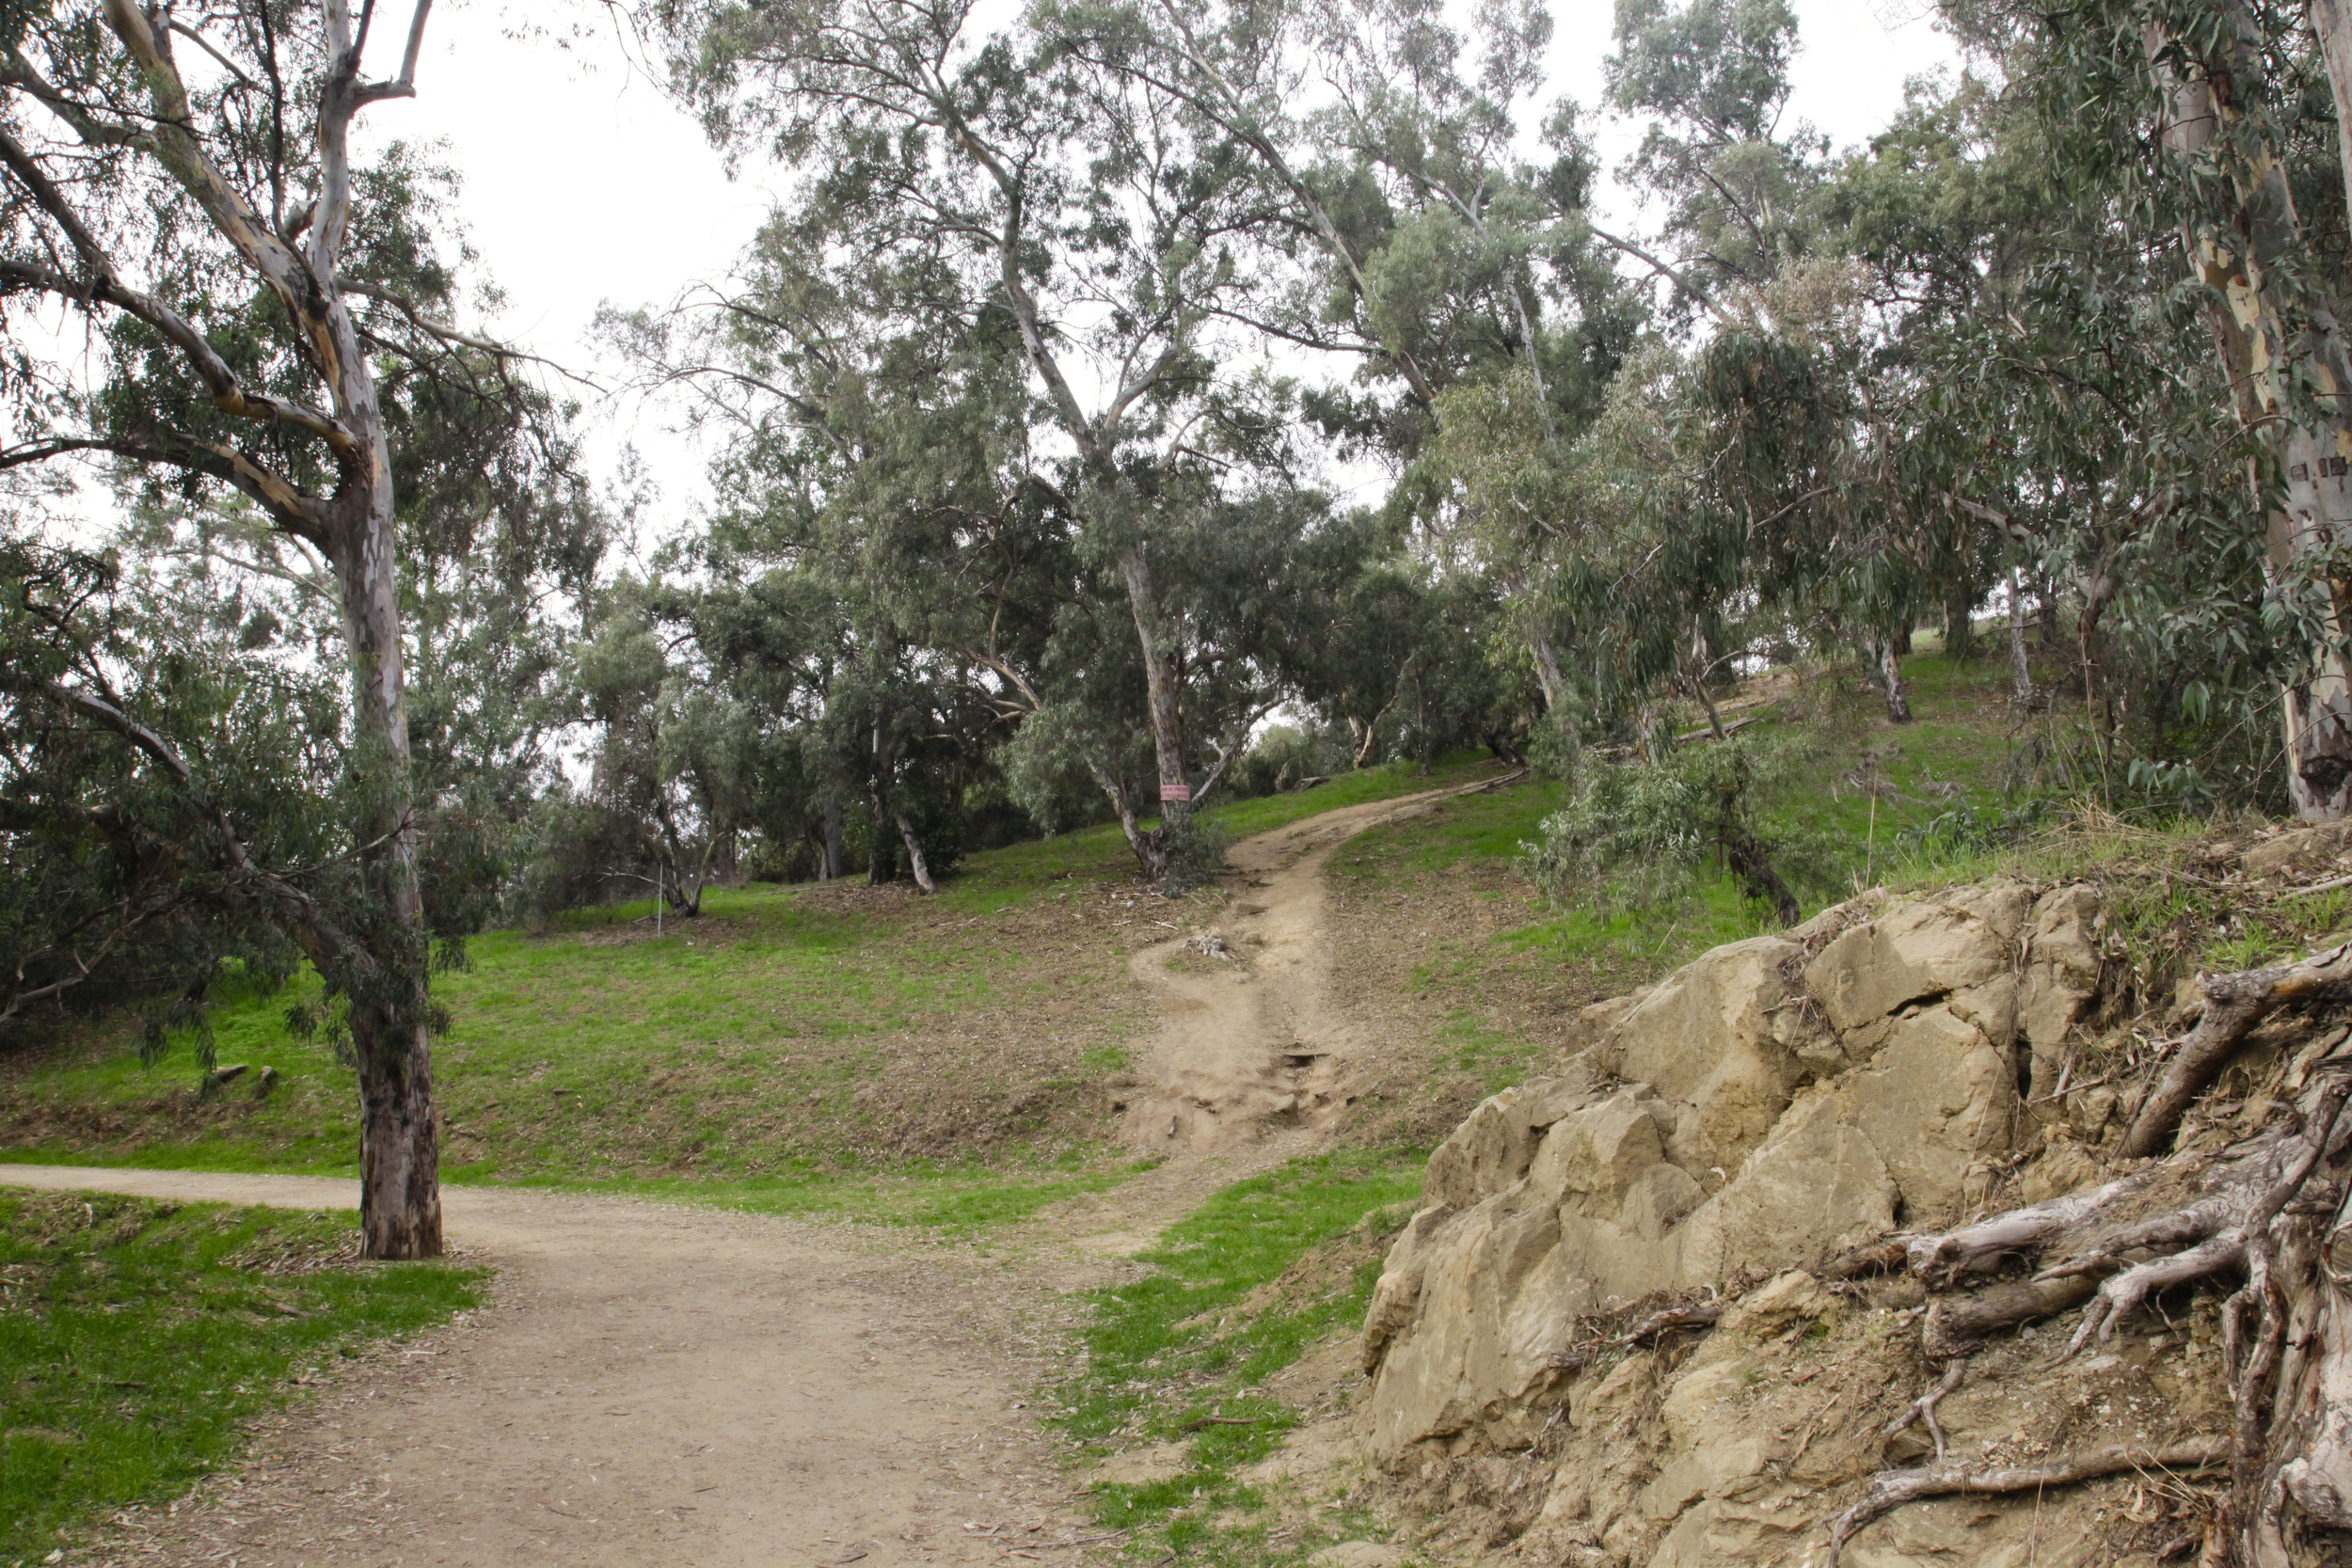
1775, 1101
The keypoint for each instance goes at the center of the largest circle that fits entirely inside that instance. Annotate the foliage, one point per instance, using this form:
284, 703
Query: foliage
1633, 836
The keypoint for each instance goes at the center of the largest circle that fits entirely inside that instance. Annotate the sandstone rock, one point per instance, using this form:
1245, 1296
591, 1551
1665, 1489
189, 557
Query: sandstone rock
1718, 1039
2061, 979
1776, 1102
2317, 842
1789, 1300
1935, 1099
1918, 951
1818, 1186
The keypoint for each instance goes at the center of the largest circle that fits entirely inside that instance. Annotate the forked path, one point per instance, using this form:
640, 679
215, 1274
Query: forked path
652, 1386
669, 1385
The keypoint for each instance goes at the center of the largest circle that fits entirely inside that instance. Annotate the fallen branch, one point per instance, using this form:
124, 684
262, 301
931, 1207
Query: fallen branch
1199, 1421
1891, 1489
1703, 732
2233, 1004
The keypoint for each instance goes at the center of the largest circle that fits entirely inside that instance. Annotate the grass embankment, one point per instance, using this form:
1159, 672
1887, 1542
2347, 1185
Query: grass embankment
1181, 1357
136, 1338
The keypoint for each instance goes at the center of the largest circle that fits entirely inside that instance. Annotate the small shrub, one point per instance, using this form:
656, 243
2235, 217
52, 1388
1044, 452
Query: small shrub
1634, 836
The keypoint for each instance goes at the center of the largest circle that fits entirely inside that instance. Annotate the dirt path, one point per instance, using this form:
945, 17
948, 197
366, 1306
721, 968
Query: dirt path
677, 1385
651, 1385
1251, 1043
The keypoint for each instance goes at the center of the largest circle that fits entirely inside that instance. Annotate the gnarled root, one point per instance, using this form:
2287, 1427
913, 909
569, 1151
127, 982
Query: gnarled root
2233, 1004
1923, 1408
1890, 1489
2276, 1208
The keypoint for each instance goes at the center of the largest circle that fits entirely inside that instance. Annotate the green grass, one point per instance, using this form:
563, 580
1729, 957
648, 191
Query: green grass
137, 1337
1168, 1350
781, 1046
755, 1043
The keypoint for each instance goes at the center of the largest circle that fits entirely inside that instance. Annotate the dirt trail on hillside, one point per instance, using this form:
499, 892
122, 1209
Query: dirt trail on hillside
650, 1385
679, 1385
1252, 1044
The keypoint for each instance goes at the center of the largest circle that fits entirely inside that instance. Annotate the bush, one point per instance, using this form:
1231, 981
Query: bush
1285, 755
1635, 836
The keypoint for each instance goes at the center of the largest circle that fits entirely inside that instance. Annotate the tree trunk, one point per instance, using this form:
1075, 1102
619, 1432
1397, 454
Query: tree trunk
1891, 676
1164, 702
2021, 669
831, 868
1753, 866
2270, 338
1959, 623
915, 863
882, 866
1546, 666
386, 983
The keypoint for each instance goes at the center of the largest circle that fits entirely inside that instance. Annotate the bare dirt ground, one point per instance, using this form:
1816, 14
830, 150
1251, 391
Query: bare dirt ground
649, 1385
677, 1385
1253, 1041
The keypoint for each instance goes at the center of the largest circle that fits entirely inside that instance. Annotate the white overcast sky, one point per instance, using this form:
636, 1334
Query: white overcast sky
581, 185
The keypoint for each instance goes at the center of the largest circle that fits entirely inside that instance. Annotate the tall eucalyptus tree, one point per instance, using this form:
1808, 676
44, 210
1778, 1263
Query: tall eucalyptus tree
1023, 188
264, 311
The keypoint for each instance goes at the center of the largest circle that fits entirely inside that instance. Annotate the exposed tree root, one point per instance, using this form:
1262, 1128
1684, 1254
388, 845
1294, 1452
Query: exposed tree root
1890, 1489
2271, 1210
1923, 1408
1644, 1332
2233, 1004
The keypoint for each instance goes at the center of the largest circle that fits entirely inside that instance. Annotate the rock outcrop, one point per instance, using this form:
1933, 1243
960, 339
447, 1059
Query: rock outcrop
1775, 1103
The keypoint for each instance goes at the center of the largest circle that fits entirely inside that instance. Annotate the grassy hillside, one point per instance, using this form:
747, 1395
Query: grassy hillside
788, 1035
950, 1056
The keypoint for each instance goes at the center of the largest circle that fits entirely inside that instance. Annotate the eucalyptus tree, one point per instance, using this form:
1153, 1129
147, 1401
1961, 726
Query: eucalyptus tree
2214, 117
1711, 77
1426, 252
116, 882
1105, 229
261, 311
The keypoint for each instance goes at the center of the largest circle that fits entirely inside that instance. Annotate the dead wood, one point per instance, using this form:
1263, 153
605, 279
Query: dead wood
1649, 1328
1957, 1324
2233, 1004
1891, 1489
1644, 1332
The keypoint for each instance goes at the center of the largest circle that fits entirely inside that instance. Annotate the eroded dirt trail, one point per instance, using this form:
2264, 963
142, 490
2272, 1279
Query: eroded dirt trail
651, 1385
1252, 1045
